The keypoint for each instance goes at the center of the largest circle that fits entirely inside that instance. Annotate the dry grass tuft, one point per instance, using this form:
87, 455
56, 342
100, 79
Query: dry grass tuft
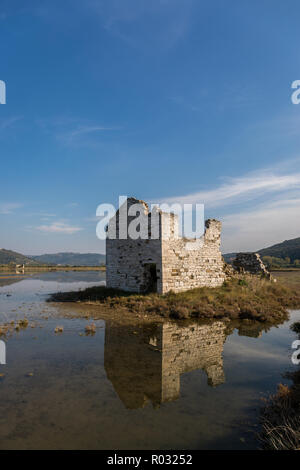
7, 328
4, 330
281, 419
281, 415
90, 329
59, 329
23, 323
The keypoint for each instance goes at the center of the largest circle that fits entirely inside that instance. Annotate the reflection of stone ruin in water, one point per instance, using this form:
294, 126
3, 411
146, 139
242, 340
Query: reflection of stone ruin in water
144, 363
20, 268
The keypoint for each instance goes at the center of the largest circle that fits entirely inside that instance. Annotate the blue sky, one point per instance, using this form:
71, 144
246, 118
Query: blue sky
163, 100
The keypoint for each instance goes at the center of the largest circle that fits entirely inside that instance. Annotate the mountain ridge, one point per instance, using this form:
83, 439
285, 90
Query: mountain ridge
286, 249
12, 257
71, 258
63, 258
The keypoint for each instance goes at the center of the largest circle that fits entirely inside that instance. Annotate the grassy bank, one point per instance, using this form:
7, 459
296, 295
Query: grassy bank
288, 278
241, 298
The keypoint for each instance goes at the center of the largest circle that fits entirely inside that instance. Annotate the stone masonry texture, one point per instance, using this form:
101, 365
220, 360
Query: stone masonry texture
251, 263
145, 362
167, 263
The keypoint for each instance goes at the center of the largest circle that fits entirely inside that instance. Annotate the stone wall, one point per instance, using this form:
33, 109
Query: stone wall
132, 361
251, 263
127, 264
189, 348
187, 264
145, 363
179, 263
128, 261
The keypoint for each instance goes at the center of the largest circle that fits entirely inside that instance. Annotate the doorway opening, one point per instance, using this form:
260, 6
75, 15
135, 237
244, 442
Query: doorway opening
150, 277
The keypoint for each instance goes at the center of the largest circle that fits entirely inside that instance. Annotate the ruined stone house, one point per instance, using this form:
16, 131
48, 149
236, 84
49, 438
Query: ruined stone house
250, 263
146, 364
163, 263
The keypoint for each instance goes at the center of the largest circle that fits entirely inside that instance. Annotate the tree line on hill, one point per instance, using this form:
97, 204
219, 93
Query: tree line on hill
282, 255
272, 262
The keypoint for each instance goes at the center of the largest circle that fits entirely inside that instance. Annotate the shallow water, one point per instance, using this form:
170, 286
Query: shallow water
147, 386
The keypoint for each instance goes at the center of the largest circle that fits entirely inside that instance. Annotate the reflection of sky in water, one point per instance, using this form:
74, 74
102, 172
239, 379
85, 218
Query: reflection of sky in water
31, 292
143, 386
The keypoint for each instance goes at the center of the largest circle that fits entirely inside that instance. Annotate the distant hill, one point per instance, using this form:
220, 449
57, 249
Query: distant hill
66, 259
12, 257
229, 257
71, 259
287, 249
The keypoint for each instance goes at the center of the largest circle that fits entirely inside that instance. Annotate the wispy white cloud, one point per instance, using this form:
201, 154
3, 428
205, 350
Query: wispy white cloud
257, 210
74, 131
40, 215
9, 207
131, 21
73, 136
254, 350
240, 189
8, 122
261, 226
92, 219
59, 227
47, 214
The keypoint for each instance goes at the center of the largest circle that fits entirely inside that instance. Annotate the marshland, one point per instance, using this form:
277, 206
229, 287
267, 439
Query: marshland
80, 372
